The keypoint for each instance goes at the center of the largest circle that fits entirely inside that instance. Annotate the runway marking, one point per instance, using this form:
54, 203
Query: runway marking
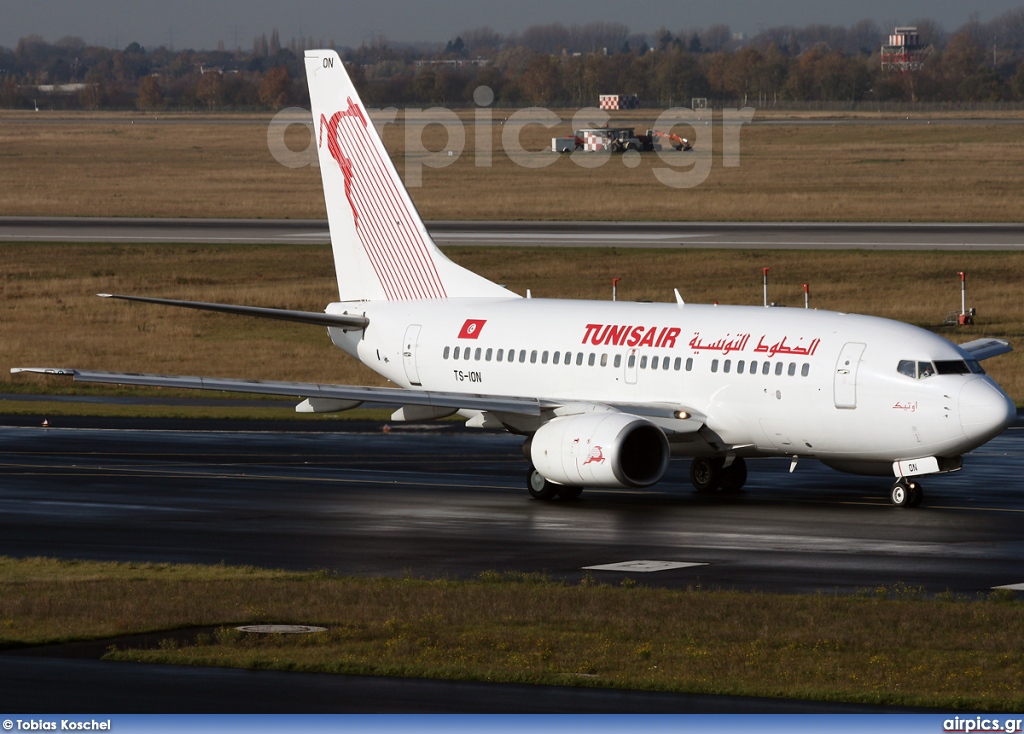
642, 566
1011, 587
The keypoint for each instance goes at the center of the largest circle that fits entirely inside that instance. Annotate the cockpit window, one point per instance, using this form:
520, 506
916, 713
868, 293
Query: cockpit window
952, 367
921, 370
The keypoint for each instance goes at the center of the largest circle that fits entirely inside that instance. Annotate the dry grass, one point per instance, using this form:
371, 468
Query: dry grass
208, 167
885, 646
50, 316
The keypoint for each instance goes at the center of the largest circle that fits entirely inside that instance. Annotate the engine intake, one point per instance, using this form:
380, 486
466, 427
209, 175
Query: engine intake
600, 450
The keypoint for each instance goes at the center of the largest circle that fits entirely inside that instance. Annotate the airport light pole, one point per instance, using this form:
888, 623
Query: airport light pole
963, 292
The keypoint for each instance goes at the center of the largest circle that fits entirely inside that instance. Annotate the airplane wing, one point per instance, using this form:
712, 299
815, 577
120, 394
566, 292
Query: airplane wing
681, 419
981, 349
382, 395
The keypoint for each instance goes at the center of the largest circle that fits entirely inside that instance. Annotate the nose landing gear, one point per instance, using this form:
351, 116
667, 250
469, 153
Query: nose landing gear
906, 493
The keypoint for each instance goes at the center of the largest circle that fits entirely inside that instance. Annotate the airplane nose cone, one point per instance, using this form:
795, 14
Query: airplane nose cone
985, 410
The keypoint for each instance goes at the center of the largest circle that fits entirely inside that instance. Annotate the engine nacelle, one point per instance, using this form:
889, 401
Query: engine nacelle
600, 450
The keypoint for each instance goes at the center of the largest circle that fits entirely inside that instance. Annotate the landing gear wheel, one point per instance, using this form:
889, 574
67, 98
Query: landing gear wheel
906, 493
734, 476
539, 487
566, 492
916, 495
706, 473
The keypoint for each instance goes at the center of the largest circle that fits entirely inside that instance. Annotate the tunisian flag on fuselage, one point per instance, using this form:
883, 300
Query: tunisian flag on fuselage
472, 328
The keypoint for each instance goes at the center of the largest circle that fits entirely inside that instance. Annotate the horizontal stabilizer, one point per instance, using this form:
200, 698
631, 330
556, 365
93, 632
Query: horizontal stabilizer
981, 349
343, 321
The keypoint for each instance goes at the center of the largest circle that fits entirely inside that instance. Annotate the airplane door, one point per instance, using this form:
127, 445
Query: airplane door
412, 336
631, 360
845, 385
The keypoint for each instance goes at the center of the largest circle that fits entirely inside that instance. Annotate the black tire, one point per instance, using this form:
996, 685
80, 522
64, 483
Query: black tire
539, 487
567, 492
900, 494
916, 495
706, 473
734, 476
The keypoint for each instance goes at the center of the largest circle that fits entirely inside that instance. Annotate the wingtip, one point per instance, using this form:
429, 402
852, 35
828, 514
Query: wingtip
105, 295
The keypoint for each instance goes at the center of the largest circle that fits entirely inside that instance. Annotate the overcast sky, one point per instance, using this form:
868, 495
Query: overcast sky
201, 24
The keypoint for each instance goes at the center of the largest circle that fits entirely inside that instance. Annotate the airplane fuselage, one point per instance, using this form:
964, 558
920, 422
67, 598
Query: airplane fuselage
770, 381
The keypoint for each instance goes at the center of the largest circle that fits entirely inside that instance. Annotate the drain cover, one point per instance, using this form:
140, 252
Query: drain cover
280, 629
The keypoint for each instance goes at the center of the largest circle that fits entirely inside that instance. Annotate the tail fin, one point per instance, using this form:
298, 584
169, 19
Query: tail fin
382, 250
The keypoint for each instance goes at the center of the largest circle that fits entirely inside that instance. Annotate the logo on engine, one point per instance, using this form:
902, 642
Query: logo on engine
596, 456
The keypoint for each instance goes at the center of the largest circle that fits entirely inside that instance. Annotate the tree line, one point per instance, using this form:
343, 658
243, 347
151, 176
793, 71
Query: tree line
545, 65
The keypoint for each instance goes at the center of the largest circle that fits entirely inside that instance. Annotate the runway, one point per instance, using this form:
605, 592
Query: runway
449, 501
736, 235
452, 502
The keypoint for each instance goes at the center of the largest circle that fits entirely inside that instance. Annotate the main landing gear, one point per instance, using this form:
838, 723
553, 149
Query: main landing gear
710, 474
541, 489
906, 493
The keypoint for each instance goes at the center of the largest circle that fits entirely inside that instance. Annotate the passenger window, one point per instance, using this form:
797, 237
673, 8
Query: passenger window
554, 357
753, 367
477, 357
456, 355
792, 369
568, 358
654, 362
604, 359
618, 360
591, 359
533, 357
522, 356
447, 351
467, 353
805, 370
579, 358
766, 368
487, 354
689, 364
501, 353
728, 364
907, 367
544, 357
643, 362
739, 367
778, 368
714, 365
631, 361
678, 363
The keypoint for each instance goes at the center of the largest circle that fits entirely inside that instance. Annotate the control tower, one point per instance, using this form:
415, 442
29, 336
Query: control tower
904, 51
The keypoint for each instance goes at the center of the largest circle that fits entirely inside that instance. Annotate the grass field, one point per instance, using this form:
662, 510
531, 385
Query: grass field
51, 317
881, 646
103, 165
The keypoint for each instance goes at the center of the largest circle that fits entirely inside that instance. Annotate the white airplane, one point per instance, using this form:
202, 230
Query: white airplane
606, 392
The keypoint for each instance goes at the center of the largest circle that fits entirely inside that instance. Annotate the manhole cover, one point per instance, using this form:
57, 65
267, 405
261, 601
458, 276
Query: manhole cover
280, 629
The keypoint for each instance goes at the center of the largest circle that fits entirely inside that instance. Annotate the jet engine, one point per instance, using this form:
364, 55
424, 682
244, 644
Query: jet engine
607, 449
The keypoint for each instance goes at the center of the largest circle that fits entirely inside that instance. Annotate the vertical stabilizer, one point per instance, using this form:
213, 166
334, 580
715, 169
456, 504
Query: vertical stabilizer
382, 250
